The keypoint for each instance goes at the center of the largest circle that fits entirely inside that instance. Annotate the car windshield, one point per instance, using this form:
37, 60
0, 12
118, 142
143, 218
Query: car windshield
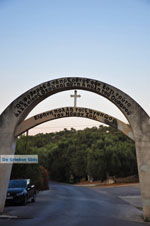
17, 183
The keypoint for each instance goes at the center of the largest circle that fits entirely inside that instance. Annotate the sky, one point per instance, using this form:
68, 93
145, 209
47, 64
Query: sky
107, 40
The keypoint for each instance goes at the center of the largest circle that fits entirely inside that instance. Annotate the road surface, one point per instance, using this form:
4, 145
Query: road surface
67, 205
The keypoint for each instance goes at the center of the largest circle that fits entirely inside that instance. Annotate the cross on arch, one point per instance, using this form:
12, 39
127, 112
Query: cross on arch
75, 96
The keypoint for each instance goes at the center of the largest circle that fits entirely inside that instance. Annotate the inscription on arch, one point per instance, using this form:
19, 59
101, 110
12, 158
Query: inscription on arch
101, 88
76, 112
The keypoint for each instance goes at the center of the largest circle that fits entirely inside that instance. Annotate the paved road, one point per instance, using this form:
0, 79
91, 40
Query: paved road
66, 205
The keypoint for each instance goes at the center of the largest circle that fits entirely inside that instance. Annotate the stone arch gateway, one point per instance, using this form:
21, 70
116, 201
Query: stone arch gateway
73, 112
138, 119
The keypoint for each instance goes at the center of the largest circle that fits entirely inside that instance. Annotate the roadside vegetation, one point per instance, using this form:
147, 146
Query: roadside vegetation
72, 156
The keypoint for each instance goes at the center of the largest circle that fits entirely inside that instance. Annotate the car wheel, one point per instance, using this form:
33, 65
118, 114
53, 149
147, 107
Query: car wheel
33, 198
25, 200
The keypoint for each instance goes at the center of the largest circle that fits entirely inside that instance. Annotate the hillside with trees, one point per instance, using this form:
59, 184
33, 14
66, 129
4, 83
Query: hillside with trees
74, 155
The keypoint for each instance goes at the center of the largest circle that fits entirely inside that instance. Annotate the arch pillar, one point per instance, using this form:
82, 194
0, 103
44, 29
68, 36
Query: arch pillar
7, 147
142, 144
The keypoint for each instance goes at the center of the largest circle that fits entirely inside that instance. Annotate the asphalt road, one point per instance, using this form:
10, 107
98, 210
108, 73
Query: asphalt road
66, 205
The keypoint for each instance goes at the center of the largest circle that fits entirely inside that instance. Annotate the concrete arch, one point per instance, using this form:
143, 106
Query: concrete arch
74, 112
138, 119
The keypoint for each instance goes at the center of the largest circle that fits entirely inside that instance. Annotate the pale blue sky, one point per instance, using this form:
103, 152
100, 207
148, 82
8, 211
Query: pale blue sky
108, 40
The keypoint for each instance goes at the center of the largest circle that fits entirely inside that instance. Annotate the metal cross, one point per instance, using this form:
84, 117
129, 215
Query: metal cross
75, 97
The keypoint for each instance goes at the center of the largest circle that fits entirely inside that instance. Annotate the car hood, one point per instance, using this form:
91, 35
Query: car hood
15, 190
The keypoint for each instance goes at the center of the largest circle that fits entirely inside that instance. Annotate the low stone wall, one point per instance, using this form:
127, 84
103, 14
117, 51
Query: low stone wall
130, 179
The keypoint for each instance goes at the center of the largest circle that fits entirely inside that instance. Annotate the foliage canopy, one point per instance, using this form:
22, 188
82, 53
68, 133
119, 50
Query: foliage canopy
71, 155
